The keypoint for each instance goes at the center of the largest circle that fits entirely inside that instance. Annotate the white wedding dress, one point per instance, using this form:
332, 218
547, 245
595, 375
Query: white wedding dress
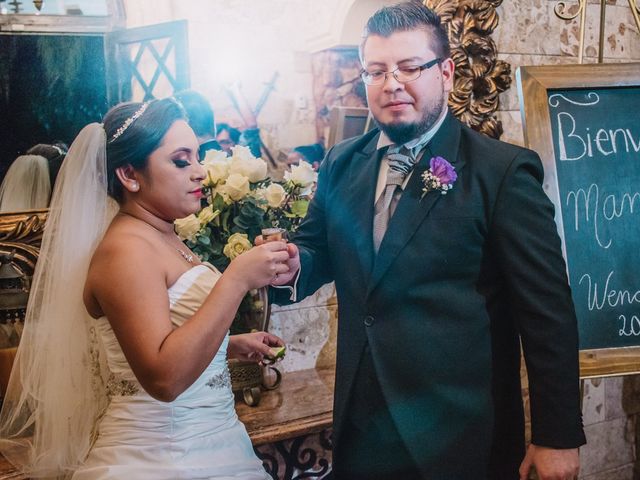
197, 436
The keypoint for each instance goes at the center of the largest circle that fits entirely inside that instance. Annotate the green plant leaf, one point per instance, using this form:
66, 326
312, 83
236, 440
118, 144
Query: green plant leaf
299, 208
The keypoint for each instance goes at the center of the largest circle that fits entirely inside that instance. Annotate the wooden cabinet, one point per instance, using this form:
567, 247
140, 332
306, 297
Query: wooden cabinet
291, 427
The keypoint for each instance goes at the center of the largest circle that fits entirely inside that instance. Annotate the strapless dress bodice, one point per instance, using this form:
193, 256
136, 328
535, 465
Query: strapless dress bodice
196, 436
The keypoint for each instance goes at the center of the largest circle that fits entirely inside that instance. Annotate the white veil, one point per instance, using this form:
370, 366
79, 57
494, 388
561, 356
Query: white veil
26, 185
56, 390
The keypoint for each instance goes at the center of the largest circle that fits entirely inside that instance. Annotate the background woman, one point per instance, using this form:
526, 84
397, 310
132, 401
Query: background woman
26, 185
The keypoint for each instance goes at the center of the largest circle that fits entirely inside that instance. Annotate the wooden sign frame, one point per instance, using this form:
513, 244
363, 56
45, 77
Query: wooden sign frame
533, 84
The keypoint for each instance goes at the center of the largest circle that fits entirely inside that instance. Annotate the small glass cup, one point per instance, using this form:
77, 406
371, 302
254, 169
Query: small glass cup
274, 234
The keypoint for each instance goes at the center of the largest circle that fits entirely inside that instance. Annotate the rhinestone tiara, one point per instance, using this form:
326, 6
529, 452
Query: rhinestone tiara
127, 123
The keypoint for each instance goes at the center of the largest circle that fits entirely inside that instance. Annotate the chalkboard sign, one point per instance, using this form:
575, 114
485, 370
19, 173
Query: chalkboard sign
584, 121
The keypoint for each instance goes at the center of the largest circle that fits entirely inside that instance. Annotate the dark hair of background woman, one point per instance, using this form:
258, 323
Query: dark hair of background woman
54, 153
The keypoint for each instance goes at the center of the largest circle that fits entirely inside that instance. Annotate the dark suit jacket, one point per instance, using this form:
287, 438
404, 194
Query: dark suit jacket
458, 280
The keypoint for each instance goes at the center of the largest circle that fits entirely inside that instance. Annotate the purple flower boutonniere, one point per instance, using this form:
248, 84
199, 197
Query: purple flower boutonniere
440, 176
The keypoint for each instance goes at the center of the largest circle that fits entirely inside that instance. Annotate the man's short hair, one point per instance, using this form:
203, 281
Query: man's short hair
199, 112
405, 17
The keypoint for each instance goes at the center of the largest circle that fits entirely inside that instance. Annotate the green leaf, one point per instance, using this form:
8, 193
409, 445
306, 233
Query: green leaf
299, 208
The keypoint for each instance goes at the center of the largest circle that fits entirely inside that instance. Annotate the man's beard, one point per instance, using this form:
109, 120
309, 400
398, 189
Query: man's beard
400, 133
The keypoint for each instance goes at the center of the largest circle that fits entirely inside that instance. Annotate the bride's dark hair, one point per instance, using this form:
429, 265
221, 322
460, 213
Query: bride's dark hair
139, 139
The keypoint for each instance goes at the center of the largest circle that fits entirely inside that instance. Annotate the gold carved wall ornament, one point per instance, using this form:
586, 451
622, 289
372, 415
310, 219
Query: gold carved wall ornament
20, 239
21, 232
480, 76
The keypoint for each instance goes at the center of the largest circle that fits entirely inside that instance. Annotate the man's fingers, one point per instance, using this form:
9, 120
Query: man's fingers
292, 249
525, 466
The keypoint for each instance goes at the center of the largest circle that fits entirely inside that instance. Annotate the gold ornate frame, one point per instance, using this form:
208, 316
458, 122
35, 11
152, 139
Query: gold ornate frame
480, 76
21, 232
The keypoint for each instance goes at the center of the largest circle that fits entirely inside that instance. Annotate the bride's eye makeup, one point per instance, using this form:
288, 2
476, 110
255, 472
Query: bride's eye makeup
184, 156
181, 163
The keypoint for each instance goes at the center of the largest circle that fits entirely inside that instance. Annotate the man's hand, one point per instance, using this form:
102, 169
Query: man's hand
293, 263
551, 463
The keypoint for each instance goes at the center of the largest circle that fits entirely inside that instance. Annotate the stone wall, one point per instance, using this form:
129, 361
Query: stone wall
529, 33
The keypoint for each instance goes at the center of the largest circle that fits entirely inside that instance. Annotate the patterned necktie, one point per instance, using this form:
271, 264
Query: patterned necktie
401, 161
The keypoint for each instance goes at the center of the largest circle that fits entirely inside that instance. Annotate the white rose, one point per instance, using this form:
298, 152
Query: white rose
215, 156
237, 244
301, 175
260, 195
237, 186
240, 152
255, 169
187, 227
217, 171
207, 214
221, 190
274, 194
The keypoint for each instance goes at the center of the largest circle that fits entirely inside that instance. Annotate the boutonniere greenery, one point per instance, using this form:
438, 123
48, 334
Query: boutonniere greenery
439, 177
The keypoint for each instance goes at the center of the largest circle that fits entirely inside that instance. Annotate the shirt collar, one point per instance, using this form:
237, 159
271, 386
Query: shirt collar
384, 141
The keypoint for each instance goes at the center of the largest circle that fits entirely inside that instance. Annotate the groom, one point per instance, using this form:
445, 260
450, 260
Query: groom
440, 273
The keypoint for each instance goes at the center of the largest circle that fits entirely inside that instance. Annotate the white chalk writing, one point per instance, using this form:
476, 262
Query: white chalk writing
576, 143
592, 208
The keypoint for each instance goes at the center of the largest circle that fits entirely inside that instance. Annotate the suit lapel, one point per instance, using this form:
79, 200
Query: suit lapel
412, 209
363, 178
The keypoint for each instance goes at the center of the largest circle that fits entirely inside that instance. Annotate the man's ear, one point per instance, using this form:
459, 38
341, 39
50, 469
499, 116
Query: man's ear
447, 69
128, 178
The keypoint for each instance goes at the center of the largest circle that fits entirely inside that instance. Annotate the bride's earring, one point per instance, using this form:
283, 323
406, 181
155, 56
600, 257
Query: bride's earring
127, 178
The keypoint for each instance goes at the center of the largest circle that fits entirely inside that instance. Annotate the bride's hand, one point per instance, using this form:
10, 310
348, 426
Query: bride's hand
252, 347
259, 266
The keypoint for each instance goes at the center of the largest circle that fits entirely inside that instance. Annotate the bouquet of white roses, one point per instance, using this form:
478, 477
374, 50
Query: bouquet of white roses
241, 201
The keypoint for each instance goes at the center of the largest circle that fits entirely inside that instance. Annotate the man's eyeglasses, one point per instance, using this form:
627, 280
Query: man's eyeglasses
401, 74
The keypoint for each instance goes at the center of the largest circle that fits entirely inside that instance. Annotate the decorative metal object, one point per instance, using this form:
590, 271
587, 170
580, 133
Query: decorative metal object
480, 77
20, 238
248, 378
38, 4
17, 6
635, 11
14, 295
561, 11
308, 456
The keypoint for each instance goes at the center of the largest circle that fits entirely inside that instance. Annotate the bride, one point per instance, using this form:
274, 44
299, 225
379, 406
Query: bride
121, 371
